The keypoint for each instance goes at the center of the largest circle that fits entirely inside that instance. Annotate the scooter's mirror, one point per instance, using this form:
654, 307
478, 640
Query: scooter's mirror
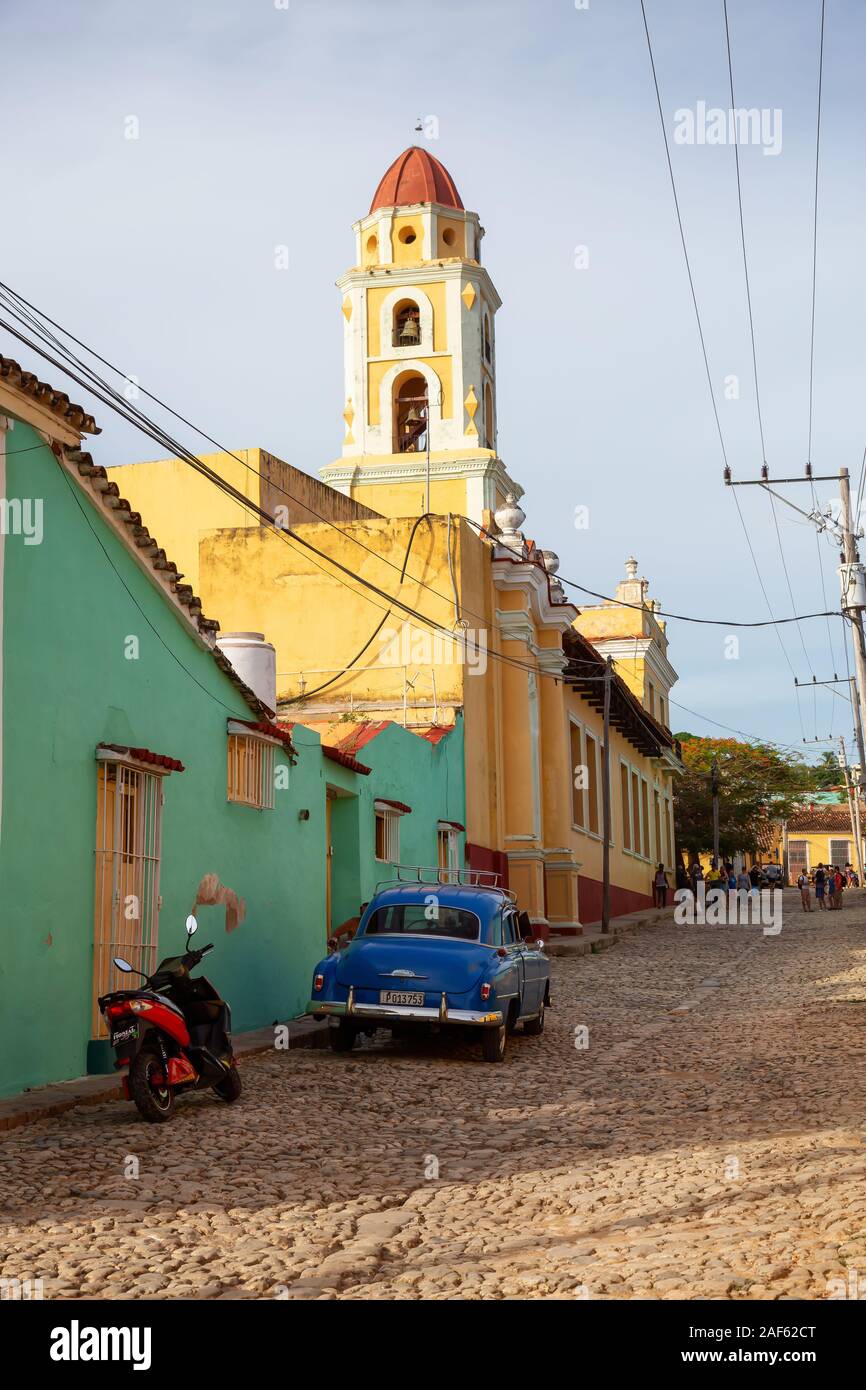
191, 925
123, 965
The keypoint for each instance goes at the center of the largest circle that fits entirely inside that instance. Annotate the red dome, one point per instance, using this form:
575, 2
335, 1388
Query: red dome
416, 177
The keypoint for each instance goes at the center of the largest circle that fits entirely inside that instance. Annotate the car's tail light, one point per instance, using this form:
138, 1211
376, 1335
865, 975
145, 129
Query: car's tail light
485, 991
318, 983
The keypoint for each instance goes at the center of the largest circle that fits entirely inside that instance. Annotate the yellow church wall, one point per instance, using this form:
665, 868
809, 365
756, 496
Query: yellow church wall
403, 252
178, 502
457, 247
317, 619
408, 498
377, 294
609, 620
630, 871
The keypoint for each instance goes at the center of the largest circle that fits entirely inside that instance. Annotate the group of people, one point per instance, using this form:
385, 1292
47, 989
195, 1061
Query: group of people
830, 884
718, 876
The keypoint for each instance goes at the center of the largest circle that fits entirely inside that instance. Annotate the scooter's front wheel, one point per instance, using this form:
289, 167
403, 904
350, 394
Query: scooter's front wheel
153, 1100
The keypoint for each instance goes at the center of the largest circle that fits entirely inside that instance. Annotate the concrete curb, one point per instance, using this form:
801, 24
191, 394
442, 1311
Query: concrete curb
47, 1101
594, 940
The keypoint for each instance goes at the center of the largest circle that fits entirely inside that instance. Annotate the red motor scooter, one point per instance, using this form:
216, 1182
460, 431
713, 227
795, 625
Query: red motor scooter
174, 1034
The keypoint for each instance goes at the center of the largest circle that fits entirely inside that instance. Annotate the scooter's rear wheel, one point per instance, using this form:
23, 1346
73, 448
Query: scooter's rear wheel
229, 1089
154, 1102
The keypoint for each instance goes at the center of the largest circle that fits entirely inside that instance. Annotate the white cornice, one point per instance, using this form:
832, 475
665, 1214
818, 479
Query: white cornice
627, 648
531, 579
348, 471
423, 273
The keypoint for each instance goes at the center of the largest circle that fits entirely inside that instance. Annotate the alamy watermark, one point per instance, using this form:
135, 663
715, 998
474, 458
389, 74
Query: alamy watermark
729, 907
22, 516
412, 646
713, 125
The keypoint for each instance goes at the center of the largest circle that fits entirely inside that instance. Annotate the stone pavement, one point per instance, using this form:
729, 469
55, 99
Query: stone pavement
690, 1124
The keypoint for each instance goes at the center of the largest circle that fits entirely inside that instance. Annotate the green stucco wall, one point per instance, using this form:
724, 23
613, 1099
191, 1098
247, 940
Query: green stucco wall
67, 686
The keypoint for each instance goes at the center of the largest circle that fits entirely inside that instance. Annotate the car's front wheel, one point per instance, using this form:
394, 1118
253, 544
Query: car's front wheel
534, 1026
342, 1038
493, 1042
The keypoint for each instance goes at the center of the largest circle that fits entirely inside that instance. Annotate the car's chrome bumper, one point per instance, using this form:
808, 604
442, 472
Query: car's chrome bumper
385, 1013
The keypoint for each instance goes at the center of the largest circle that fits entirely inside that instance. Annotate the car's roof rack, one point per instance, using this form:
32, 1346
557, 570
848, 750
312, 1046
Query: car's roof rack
433, 876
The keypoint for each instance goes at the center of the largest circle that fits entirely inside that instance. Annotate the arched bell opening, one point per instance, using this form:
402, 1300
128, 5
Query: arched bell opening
410, 414
407, 324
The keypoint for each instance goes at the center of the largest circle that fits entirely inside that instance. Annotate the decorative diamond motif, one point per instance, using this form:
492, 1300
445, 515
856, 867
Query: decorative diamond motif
349, 416
347, 308
468, 296
471, 405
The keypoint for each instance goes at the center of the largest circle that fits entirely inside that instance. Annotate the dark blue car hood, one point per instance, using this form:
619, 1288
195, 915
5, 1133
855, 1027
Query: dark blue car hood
439, 964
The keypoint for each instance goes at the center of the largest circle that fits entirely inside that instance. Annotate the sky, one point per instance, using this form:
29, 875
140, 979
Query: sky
263, 124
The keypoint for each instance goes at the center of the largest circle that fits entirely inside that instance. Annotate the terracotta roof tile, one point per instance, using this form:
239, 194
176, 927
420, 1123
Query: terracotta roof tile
56, 401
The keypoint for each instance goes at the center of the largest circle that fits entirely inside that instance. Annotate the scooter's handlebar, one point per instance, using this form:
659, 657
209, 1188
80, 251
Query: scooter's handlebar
193, 957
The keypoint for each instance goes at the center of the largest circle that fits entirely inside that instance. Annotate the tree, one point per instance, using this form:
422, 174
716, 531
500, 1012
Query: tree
758, 784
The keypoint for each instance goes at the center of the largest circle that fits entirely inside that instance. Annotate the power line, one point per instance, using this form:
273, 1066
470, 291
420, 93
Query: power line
683, 236
757, 386
815, 230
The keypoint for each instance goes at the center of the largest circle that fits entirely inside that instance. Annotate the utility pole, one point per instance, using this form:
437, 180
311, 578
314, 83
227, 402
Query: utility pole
714, 785
853, 808
850, 594
851, 574
605, 800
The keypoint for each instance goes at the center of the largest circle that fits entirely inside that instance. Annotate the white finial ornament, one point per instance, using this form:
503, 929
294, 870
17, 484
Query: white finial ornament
509, 518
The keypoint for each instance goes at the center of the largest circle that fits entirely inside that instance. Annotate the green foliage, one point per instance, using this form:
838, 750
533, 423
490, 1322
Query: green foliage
757, 785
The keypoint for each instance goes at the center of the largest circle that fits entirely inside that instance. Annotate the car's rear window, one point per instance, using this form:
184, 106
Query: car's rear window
423, 919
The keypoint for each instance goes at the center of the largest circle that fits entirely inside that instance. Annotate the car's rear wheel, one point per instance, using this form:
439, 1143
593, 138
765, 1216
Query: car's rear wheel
493, 1042
534, 1026
342, 1038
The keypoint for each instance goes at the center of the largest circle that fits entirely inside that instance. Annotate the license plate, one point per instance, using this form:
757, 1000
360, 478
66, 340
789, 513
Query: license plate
401, 996
126, 1034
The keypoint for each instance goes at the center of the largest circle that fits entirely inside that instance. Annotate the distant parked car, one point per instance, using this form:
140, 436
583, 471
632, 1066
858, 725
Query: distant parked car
434, 953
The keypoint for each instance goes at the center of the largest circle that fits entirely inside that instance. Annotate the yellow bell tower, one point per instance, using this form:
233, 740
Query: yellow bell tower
418, 310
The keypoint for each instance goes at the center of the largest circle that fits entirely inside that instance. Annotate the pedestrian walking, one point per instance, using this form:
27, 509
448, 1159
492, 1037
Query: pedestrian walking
831, 888
805, 892
755, 877
660, 887
840, 887
744, 883
820, 886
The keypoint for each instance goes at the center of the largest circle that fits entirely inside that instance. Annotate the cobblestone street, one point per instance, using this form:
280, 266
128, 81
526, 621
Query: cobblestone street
709, 1142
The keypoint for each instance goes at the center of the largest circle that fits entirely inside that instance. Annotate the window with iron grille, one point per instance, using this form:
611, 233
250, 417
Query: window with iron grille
387, 835
840, 853
128, 834
798, 858
251, 771
448, 847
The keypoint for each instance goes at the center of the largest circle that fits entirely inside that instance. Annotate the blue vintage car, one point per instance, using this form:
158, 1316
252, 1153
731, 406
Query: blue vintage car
439, 954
